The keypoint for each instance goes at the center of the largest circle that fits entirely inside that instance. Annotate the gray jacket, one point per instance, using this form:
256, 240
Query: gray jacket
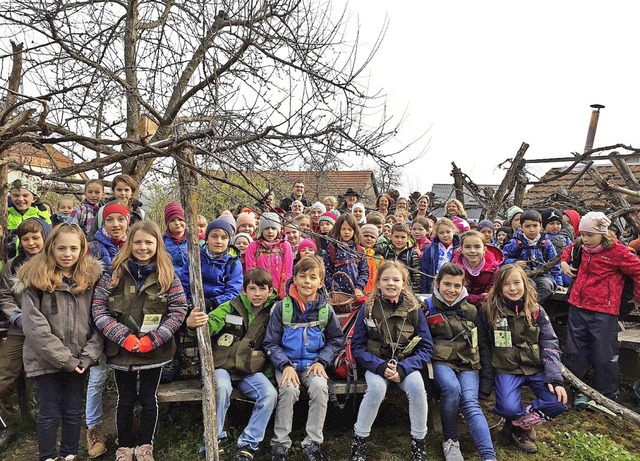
58, 328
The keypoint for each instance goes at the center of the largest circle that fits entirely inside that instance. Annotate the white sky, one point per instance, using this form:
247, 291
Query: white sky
488, 75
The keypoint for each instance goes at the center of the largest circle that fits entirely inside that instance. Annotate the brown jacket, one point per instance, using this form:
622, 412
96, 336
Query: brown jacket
58, 328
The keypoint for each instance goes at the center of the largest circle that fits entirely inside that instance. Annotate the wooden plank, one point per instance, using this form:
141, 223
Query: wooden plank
630, 339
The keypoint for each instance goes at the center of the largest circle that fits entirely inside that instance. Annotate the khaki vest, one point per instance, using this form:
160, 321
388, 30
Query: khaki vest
236, 348
452, 338
401, 324
524, 355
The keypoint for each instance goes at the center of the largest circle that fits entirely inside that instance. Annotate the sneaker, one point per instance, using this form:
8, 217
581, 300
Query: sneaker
312, 453
581, 401
520, 438
144, 453
452, 451
244, 454
528, 420
358, 448
124, 454
69, 457
95, 442
419, 449
278, 453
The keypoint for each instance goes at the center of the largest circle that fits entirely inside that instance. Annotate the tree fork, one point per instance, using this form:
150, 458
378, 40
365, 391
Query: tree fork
188, 195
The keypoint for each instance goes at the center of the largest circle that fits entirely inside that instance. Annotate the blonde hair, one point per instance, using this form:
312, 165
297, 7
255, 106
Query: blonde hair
43, 272
495, 304
331, 199
66, 197
444, 222
406, 291
472, 233
200, 220
458, 204
163, 262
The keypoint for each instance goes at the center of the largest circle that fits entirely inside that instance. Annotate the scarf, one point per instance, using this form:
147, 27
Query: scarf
476, 271
176, 240
444, 254
269, 246
533, 242
211, 255
140, 272
516, 306
422, 242
117, 242
594, 250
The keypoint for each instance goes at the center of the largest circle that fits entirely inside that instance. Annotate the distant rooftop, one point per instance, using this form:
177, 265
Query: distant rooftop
444, 192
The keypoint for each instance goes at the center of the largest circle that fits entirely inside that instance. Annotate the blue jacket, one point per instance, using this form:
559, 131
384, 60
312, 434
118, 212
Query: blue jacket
221, 277
301, 347
415, 361
519, 250
179, 252
560, 241
429, 262
103, 248
348, 261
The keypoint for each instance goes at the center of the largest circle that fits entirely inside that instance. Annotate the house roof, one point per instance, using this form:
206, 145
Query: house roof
584, 190
444, 192
320, 184
45, 156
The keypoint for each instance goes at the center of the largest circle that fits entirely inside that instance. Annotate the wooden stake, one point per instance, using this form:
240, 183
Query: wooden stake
188, 195
507, 183
458, 183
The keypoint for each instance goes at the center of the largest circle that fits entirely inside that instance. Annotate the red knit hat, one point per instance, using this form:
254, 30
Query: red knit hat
308, 243
173, 210
115, 208
329, 217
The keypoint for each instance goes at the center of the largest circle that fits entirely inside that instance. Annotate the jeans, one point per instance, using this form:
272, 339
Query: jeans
11, 367
509, 390
318, 390
256, 387
60, 398
459, 393
97, 380
127, 384
592, 341
412, 385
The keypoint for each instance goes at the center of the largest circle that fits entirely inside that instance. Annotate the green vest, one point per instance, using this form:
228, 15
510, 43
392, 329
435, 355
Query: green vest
236, 347
523, 356
125, 304
455, 339
388, 328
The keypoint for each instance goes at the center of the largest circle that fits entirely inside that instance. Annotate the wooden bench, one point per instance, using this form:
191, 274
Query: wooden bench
630, 339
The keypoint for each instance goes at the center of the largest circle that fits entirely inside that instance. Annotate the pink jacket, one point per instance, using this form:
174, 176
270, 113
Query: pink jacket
275, 257
481, 283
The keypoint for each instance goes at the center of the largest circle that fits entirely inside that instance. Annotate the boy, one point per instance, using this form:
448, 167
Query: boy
376, 219
88, 210
201, 225
63, 211
303, 336
32, 233
530, 249
237, 328
369, 239
557, 234
486, 228
23, 194
401, 248
175, 237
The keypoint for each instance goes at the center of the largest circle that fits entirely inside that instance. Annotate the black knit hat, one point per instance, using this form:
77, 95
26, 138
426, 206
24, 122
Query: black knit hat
550, 215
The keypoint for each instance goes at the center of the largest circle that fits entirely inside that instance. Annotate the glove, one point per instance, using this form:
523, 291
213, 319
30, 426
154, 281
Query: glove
131, 341
145, 344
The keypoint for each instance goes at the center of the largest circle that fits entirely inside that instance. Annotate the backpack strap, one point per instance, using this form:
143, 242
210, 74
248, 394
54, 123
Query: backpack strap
287, 310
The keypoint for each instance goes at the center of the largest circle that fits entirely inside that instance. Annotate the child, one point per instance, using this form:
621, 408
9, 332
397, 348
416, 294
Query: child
454, 208
246, 223
32, 233
22, 194
377, 220
557, 234
271, 253
221, 272
175, 236
60, 344
480, 263
572, 219
227, 216
242, 241
201, 225
444, 242
303, 336
112, 235
306, 248
402, 248
330, 203
138, 309
346, 256
530, 248
525, 351
326, 223
292, 233
124, 187
316, 210
600, 263
401, 216
239, 326
502, 235
88, 210
486, 228
386, 233
390, 219
459, 350
420, 230
358, 211
303, 222
64, 208
369, 238
392, 342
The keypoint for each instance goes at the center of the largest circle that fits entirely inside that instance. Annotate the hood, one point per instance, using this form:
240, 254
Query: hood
493, 257
46, 230
446, 305
106, 241
574, 220
32, 274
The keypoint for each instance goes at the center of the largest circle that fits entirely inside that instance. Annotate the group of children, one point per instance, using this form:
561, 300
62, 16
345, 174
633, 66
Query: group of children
108, 289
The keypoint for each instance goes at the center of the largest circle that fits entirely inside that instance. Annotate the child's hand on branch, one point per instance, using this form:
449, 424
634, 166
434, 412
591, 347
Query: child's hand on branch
197, 318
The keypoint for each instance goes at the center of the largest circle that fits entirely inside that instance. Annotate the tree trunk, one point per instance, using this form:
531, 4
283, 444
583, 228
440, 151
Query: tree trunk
188, 195
521, 187
507, 183
458, 183
624, 170
616, 199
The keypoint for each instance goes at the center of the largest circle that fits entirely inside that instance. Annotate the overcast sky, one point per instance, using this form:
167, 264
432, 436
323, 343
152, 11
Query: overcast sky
484, 76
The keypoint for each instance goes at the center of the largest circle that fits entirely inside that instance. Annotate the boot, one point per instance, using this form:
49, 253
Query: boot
419, 449
521, 438
95, 442
358, 448
124, 454
245, 454
144, 453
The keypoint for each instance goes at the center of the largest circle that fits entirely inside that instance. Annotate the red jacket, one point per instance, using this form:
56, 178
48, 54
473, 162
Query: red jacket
481, 283
598, 286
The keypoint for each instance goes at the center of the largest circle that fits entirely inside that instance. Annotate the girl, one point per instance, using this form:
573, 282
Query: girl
303, 222
459, 350
139, 309
524, 351
111, 235
358, 211
480, 263
271, 252
445, 241
346, 256
454, 208
502, 235
307, 247
88, 210
201, 224
422, 210
245, 223
420, 230
383, 203
401, 216
392, 342
242, 241
486, 228
316, 210
60, 343
600, 263
124, 187
325, 225
330, 203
